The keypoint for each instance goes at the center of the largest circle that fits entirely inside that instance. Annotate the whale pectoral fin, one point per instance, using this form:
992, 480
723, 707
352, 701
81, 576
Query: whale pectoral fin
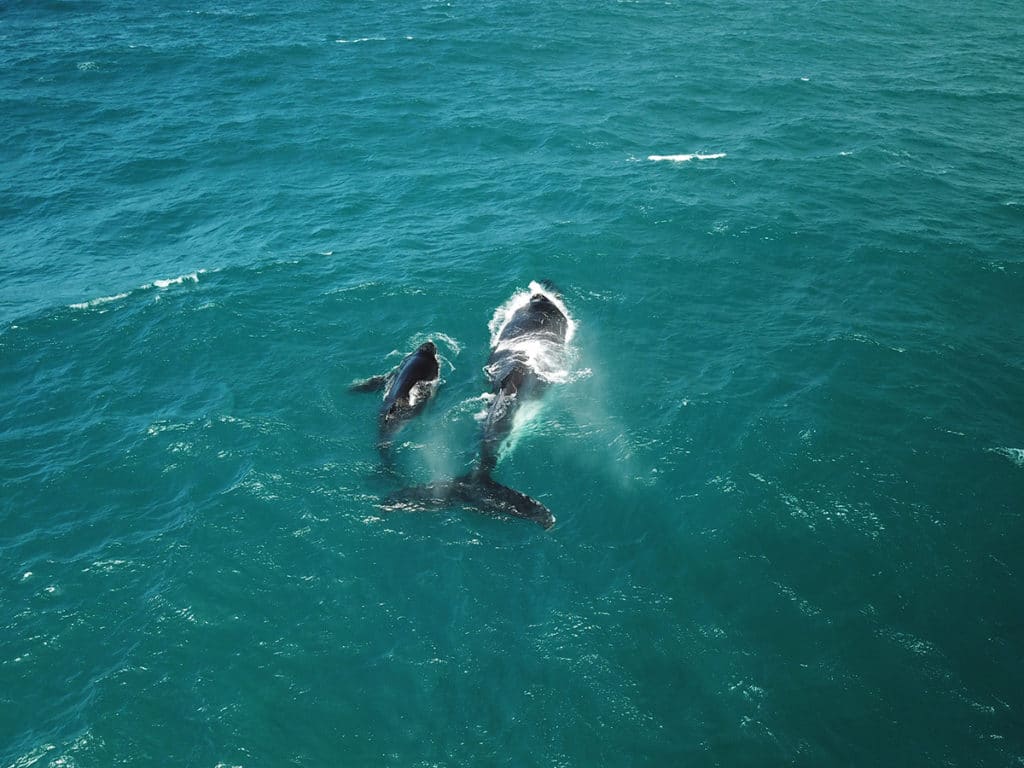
372, 384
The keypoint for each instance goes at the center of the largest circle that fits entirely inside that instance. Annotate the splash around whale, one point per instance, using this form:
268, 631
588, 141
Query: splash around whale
529, 337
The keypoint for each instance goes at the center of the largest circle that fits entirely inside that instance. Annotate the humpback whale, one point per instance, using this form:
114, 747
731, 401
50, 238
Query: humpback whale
408, 387
526, 350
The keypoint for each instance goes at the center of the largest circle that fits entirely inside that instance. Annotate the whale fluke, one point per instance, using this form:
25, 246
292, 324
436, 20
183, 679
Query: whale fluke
476, 489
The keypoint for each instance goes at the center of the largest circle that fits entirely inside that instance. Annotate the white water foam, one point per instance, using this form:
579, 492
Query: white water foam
98, 302
486, 398
192, 277
453, 345
684, 158
422, 390
1016, 455
441, 340
179, 280
504, 313
524, 423
550, 361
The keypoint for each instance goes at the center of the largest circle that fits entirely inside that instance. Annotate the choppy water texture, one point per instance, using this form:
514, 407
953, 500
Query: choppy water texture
787, 463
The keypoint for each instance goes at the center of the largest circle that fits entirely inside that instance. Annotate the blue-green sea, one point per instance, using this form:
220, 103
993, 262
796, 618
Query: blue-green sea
786, 454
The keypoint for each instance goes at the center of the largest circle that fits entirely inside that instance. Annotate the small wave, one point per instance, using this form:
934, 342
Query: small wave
354, 40
862, 338
438, 338
453, 345
105, 566
158, 427
97, 302
455, 348
179, 280
684, 158
192, 277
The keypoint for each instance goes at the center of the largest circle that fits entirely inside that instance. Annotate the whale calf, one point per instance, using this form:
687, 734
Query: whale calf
407, 389
525, 351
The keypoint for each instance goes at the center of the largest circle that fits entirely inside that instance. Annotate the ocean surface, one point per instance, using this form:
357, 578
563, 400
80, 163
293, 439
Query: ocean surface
786, 453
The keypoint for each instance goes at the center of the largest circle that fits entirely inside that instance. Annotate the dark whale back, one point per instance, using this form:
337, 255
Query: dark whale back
420, 366
508, 368
541, 317
407, 390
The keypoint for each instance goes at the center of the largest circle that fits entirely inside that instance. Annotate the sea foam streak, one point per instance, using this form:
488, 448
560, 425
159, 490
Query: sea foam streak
192, 277
97, 302
684, 158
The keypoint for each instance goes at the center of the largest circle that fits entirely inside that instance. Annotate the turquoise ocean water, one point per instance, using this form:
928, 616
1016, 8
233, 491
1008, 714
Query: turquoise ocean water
787, 459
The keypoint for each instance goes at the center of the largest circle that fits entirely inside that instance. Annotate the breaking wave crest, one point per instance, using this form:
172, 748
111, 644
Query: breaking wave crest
191, 277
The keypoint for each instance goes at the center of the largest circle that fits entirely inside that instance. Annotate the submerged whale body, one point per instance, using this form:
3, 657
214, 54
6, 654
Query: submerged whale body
531, 340
407, 390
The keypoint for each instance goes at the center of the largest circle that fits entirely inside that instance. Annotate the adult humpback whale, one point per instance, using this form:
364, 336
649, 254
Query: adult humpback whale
527, 354
407, 390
